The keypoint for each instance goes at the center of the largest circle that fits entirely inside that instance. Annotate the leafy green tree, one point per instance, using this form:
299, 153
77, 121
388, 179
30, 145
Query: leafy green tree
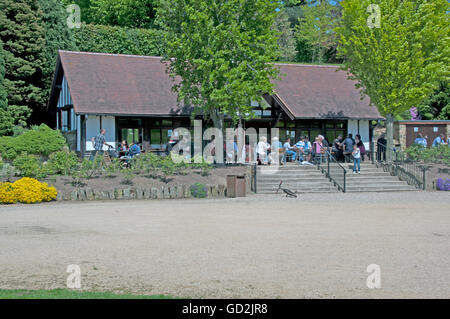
3, 93
123, 13
6, 120
437, 106
316, 27
400, 63
286, 41
221, 51
22, 33
57, 37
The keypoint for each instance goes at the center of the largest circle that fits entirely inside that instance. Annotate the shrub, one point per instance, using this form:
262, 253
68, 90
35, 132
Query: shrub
28, 165
7, 193
62, 162
114, 39
26, 190
40, 140
439, 154
199, 190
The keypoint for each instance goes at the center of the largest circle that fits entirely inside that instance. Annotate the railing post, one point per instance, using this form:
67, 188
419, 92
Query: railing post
328, 158
372, 152
255, 170
345, 173
423, 178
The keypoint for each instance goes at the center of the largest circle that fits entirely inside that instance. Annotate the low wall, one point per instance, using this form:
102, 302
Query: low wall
127, 193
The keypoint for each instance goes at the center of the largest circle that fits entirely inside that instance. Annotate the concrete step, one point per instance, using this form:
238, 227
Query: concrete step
298, 190
379, 189
290, 180
287, 175
376, 184
294, 184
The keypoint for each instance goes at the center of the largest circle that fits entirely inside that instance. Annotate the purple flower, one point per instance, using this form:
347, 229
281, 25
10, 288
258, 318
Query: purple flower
415, 116
447, 185
440, 184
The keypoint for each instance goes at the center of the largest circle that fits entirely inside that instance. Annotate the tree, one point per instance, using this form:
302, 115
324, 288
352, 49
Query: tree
22, 33
222, 52
286, 41
316, 27
57, 37
437, 106
3, 93
400, 63
123, 13
6, 121
9, 116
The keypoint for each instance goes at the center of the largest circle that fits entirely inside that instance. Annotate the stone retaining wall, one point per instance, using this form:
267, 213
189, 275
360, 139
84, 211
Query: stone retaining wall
166, 192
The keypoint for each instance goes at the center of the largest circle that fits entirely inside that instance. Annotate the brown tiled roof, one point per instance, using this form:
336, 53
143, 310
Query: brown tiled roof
316, 91
117, 84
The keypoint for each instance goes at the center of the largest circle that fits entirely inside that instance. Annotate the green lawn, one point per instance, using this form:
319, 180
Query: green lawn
70, 294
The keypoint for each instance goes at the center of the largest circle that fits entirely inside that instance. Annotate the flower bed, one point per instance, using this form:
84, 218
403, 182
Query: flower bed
26, 190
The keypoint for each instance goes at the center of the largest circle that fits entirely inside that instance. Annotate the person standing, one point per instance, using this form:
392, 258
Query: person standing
300, 147
381, 148
360, 145
356, 159
261, 150
98, 141
337, 147
420, 140
308, 149
348, 147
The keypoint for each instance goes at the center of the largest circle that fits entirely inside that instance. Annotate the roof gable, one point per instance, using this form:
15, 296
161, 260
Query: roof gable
316, 91
115, 84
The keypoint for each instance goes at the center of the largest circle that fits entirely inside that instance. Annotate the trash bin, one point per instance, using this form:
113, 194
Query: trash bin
235, 186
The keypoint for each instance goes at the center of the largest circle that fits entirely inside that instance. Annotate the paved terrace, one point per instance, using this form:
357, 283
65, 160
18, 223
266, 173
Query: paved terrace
318, 245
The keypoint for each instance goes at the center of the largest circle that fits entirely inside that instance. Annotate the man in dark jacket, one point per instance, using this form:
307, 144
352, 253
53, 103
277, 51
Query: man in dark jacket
348, 147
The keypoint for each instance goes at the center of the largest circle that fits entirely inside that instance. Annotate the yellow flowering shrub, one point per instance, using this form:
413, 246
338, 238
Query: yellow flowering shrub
26, 190
7, 194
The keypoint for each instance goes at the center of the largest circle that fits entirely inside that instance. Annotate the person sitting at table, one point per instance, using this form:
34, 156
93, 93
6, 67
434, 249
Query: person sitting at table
300, 147
134, 150
123, 148
289, 151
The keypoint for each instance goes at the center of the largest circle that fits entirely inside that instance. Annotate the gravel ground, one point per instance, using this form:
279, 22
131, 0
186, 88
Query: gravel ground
261, 246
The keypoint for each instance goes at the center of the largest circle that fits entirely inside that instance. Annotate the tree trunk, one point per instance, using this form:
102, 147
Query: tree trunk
389, 137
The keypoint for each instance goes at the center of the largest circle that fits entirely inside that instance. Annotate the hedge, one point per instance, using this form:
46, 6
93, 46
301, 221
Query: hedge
118, 40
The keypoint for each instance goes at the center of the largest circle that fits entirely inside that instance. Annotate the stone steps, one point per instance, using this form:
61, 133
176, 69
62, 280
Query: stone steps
309, 179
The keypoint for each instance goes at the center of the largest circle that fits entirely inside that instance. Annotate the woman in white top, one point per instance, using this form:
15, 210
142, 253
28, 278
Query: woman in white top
261, 150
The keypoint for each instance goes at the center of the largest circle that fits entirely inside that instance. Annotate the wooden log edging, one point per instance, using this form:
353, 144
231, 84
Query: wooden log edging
139, 193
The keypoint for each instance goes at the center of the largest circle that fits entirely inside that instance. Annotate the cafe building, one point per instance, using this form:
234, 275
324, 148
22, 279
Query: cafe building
131, 97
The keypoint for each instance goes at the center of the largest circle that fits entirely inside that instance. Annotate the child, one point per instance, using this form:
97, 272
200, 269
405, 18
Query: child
356, 159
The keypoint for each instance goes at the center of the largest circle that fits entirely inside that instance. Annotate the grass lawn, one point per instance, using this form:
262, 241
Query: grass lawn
71, 294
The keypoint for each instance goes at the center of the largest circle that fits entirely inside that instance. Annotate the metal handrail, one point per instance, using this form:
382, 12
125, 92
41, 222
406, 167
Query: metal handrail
403, 168
326, 170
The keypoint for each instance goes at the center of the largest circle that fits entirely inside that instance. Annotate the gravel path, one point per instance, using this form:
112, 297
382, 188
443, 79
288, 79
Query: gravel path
261, 246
